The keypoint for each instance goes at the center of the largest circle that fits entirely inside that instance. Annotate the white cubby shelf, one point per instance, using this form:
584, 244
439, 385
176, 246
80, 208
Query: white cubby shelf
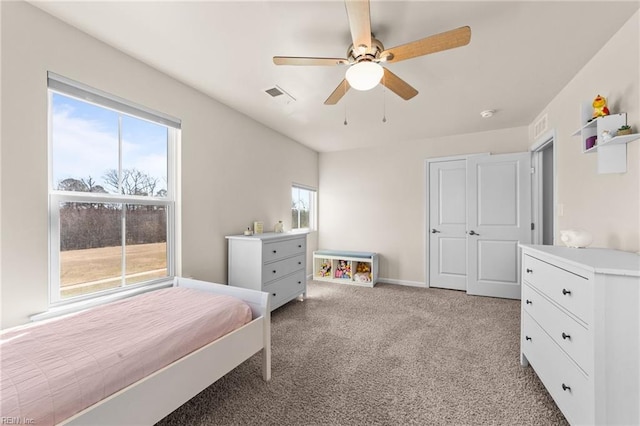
612, 153
346, 267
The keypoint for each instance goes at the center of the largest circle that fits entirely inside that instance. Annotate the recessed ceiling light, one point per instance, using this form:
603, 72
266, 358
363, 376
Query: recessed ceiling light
487, 113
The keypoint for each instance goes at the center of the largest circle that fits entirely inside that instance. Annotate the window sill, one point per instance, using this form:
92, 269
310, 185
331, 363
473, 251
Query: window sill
69, 308
302, 231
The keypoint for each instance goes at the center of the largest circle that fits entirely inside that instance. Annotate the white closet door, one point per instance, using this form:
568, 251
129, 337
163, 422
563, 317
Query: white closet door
447, 224
498, 218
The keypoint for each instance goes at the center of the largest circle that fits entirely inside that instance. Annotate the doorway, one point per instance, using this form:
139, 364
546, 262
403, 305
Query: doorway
544, 190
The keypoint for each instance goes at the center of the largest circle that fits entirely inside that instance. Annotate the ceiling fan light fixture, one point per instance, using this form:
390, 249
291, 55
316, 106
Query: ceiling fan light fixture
364, 75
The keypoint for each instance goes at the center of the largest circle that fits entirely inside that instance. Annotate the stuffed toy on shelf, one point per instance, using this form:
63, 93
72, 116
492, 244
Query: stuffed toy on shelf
600, 107
363, 273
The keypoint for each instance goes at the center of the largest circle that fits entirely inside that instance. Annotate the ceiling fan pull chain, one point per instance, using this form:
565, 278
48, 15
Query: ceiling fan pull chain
345, 104
345, 114
384, 101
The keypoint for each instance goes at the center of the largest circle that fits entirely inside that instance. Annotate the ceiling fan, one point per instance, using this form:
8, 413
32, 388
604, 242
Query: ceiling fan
366, 54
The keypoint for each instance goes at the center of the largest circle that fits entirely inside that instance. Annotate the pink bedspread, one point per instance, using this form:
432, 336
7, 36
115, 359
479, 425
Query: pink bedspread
51, 371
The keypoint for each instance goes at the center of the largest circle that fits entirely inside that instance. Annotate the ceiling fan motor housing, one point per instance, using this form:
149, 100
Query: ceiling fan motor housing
357, 54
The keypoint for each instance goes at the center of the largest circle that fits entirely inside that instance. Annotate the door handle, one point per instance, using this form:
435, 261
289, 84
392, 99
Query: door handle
472, 232
435, 231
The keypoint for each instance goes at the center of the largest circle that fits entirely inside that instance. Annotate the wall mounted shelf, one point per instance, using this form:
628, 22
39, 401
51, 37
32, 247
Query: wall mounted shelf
612, 154
624, 139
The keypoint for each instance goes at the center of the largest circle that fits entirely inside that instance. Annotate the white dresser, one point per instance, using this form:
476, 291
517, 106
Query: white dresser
274, 263
581, 330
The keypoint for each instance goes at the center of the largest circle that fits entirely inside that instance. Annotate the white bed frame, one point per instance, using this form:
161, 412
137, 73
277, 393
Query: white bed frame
150, 399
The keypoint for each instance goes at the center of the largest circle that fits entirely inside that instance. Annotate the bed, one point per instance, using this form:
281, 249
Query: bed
146, 371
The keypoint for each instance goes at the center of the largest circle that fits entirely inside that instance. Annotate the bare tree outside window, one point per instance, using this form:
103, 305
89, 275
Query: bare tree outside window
133, 182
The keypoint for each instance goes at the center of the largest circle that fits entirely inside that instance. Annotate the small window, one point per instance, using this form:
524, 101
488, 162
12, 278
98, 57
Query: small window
303, 208
111, 193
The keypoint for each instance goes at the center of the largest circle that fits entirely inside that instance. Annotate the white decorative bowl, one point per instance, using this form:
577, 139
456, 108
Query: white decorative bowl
576, 238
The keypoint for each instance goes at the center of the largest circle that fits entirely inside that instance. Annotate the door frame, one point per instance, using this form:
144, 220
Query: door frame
427, 235
537, 214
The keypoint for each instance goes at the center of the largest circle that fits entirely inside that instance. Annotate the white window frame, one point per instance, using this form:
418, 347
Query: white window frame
69, 88
313, 208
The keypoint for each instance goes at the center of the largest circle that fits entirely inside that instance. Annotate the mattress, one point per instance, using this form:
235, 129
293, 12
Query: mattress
50, 371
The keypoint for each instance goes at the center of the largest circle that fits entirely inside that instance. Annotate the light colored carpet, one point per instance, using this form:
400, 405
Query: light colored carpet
390, 355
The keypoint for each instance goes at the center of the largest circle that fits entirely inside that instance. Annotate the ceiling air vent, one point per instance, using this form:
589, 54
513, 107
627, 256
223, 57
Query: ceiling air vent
280, 95
274, 91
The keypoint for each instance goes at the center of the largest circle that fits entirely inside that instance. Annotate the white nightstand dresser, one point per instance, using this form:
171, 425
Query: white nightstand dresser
274, 263
581, 330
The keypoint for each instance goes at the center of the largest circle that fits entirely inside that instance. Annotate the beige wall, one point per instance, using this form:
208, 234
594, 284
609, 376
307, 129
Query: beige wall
374, 199
234, 170
606, 205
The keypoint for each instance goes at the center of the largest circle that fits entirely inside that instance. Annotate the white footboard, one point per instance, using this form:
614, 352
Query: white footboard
157, 395
257, 300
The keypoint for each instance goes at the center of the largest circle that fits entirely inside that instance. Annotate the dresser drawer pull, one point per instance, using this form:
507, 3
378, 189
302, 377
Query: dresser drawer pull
565, 291
299, 282
274, 295
529, 302
274, 271
299, 263
529, 271
299, 245
566, 336
566, 388
527, 338
274, 252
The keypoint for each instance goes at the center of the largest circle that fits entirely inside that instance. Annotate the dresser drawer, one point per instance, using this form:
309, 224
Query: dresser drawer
570, 388
571, 291
282, 290
276, 270
281, 249
571, 336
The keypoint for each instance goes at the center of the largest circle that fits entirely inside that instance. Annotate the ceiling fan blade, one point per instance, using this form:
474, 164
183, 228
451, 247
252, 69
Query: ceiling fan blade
337, 94
359, 22
297, 60
397, 85
432, 44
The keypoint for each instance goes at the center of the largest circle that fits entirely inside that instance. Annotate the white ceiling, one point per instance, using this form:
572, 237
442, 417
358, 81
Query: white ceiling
521, 54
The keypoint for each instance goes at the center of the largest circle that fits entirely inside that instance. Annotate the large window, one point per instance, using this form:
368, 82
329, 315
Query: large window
303, 208
111, 192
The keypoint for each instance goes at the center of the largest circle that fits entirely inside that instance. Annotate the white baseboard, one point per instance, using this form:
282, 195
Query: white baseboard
391, 281
402, 282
